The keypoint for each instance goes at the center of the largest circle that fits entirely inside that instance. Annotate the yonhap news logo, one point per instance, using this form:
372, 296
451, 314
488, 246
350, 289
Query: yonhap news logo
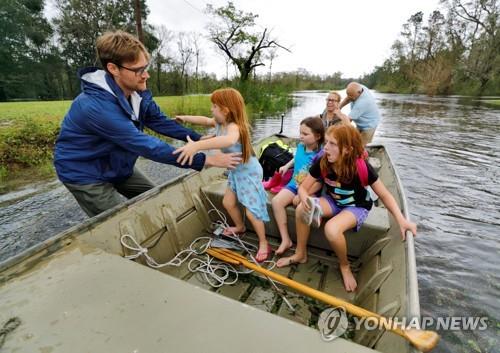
333, 323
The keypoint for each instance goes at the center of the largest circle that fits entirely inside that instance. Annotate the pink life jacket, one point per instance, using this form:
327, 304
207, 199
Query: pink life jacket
360, 167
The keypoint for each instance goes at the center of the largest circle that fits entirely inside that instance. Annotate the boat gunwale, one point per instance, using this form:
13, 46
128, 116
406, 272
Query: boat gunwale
414, 303
412, 299
87, 224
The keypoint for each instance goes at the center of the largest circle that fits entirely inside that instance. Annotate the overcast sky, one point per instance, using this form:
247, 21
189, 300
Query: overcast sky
324, 36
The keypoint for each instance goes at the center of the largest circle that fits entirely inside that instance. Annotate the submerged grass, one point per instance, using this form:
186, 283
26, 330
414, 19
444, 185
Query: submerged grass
494, 102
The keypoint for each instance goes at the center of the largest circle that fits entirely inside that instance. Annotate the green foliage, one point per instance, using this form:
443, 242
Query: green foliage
3, 174
29, 145
80, 22
34, 66
264, 98
24, 49
453, 52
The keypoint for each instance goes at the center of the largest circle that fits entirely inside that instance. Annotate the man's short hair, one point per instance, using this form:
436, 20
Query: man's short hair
119, 47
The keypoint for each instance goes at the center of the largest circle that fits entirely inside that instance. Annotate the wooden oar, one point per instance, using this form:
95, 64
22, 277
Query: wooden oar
421, 339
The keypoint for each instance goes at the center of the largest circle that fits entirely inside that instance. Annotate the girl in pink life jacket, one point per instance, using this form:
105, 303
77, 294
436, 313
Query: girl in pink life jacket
346, 203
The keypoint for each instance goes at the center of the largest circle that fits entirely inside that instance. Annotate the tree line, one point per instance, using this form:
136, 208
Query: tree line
452, 51
40, 57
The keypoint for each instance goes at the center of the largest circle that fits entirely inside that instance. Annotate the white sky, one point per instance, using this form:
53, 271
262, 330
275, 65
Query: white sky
324, 36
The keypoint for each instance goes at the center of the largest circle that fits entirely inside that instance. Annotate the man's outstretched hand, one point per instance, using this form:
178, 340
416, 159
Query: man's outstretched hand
223, 160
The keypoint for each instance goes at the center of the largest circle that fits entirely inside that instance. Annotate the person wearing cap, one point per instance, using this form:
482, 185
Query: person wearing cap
364, 110
102, 134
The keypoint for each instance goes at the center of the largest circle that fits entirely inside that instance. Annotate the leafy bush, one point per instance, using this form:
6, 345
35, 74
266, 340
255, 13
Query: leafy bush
29, 144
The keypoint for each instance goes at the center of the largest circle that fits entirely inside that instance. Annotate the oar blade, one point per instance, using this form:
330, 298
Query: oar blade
422, 340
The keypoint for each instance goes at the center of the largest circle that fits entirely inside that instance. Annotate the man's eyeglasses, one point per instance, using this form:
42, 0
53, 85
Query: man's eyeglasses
332, 100
137, 70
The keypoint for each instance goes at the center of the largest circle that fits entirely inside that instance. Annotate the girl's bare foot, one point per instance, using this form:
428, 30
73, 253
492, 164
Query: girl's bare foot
231, 231
294, 259
263, 253
349, 280
284, 246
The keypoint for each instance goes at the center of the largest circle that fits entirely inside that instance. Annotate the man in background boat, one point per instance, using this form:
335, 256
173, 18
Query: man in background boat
364, 111
102, 134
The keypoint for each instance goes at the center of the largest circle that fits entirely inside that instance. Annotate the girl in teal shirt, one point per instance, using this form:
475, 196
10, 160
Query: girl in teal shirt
312, 133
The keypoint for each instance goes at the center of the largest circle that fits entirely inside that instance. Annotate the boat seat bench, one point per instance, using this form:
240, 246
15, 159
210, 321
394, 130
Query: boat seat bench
375, 226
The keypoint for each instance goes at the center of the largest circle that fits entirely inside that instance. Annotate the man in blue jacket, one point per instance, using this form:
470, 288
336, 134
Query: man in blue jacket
364, 110
102, 134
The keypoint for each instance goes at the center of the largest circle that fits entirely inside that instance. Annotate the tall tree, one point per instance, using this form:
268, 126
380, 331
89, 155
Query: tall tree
435, 68
433, 40
24, 47
481, 21
198, 58
138, 20
233, 32
80, 22
160, 56
411, 33
186, 55
271, 56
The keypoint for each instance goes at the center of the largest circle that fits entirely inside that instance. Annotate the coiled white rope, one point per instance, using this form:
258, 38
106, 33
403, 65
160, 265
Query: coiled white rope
177, 261
216, 273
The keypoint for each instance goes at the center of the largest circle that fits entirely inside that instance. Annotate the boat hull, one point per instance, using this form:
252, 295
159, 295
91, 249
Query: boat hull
76, 292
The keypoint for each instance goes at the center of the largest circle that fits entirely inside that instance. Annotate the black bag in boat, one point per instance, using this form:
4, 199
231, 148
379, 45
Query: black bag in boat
272, 158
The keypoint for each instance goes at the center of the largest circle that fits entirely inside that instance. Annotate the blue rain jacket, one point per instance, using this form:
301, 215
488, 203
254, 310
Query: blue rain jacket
102, 134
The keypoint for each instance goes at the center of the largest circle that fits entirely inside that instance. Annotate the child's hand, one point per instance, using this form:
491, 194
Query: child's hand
303, 200
283, 169
179, 119
406, 225
296, 200
186, 152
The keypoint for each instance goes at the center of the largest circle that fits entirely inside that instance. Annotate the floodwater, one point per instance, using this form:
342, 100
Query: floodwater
447, 153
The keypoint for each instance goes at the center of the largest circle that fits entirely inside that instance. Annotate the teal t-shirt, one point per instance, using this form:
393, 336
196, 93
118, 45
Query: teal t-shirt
302, 162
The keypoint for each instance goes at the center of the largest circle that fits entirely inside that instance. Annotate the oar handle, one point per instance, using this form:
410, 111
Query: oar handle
423, 340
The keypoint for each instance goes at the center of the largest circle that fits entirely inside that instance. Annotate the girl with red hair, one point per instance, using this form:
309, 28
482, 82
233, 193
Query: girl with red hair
244, 182
346, 203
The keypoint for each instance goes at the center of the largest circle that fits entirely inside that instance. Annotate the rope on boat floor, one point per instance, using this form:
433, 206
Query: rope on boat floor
8, 327
215, 272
